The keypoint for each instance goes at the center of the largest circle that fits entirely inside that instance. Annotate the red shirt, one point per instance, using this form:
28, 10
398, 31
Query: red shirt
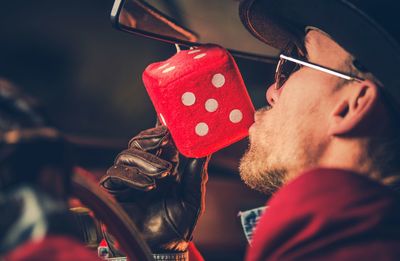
329, 214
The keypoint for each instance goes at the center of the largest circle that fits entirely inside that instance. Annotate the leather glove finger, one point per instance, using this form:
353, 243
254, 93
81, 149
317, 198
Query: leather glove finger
150, 140
146, 163
157, 141
135, 169
120, 179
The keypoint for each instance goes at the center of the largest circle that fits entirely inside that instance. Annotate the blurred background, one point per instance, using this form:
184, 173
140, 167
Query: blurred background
87, 76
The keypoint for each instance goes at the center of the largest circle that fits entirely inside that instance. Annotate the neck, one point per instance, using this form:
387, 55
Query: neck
340, 153
348, 154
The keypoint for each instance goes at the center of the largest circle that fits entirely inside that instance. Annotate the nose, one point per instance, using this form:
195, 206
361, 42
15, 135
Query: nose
273, 94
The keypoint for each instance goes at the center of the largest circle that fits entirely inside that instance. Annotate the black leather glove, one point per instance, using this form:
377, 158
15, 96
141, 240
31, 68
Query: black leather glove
162, 191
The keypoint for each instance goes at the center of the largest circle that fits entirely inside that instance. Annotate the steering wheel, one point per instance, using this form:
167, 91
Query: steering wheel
106, 209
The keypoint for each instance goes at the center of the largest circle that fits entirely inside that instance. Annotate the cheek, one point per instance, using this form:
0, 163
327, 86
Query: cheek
299, 106
302, 94
299, 110
292, 104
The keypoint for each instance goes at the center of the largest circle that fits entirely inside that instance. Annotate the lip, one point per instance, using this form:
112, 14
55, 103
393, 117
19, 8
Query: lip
257, 117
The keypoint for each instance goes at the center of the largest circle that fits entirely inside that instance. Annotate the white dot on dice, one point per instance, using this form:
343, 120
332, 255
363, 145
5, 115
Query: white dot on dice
218, 80
200, 56
194, 51
188, 98
162, 119
201, 129
211, 105
169, 69
235, 116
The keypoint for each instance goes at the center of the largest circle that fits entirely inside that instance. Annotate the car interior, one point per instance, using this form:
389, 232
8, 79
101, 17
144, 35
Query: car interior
83, 61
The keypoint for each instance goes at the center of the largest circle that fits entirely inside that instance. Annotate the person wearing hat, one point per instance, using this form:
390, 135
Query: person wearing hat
327, 145
35, 169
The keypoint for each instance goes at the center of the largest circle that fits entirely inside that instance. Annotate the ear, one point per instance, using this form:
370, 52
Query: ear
356, 103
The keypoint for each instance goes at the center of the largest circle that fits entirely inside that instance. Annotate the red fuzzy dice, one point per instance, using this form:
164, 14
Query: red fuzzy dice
200, 96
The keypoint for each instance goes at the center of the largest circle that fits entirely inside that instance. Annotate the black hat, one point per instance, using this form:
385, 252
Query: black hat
368, 29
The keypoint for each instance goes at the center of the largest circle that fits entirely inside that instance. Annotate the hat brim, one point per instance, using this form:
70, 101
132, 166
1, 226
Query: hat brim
278, 22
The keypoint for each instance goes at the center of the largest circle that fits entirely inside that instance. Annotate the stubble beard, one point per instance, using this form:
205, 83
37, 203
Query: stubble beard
270, 162
257, 169
257, 172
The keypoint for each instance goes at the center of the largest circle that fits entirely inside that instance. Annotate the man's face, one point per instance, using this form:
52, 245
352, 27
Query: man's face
291, 135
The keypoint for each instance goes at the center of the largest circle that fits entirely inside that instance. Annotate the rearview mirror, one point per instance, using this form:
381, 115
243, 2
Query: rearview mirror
209, 22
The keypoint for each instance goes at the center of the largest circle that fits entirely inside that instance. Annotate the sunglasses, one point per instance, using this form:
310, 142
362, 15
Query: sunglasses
288, 65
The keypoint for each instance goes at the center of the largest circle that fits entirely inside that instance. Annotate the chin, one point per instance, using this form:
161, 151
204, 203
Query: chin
257, 172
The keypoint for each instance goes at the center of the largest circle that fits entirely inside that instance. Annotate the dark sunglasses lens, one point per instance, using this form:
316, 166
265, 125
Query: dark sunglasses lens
285, 69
